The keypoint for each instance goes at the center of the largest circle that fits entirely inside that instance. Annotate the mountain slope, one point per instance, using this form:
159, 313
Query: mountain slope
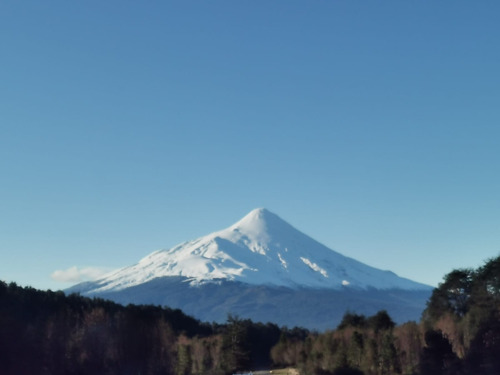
318, 309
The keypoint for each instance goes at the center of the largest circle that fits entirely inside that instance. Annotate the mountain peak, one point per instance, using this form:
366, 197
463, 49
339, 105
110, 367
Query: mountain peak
256, 215
259, 215
258, 211
261, 248
261, 222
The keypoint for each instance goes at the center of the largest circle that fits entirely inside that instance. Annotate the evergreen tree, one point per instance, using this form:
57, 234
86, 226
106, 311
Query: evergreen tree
381, 321
437, 356
351, 319
236, 354
452, 295
183, 360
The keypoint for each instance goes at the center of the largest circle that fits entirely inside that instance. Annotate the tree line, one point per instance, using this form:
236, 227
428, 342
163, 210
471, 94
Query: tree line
45, 332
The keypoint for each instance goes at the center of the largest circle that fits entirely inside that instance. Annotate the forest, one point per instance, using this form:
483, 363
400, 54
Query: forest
45, 332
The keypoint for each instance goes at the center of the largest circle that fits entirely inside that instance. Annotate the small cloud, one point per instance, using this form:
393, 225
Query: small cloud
75, 274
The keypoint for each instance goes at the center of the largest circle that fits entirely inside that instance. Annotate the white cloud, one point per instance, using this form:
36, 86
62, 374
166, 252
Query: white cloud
75, 274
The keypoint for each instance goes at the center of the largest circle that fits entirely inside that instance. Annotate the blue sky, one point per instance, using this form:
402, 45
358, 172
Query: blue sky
128, 127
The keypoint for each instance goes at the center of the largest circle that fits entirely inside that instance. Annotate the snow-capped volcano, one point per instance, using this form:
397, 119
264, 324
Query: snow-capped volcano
260, 249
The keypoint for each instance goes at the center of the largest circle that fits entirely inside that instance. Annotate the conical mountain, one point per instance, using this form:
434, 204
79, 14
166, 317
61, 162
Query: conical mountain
260, 249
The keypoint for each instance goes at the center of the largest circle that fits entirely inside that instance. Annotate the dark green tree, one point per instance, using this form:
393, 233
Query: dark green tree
236, 353
183, 360
356, 349
437, 356
351, 319
388, 356
451, 296
483, 357
381, 321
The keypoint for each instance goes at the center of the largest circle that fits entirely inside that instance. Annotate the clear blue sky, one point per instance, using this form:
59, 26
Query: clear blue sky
126, 127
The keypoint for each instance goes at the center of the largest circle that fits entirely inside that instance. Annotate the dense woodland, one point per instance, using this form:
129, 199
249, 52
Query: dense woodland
459, 334
44, 332
51, 333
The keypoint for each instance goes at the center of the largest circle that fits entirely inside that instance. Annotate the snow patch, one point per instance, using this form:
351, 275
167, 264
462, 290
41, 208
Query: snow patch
283, 261
314, 267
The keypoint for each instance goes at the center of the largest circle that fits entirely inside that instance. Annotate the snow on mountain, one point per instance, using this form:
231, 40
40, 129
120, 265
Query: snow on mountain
259, 249
261, 268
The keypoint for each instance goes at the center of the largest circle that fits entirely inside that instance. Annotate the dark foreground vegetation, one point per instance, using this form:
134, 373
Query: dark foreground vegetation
459, 334
51, 333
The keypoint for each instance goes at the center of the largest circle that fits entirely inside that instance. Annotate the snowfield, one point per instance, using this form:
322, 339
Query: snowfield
260, 249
